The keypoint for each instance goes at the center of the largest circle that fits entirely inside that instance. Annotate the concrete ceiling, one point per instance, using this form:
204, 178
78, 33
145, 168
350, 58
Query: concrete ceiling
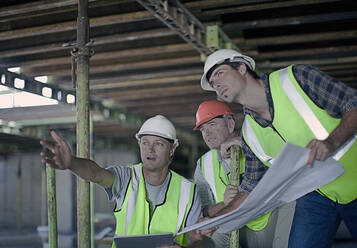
141, 67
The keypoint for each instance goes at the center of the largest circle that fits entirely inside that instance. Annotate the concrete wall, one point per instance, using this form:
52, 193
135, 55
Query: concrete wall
20, 190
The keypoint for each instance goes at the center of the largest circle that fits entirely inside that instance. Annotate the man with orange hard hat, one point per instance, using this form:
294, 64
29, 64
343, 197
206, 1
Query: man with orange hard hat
215, 120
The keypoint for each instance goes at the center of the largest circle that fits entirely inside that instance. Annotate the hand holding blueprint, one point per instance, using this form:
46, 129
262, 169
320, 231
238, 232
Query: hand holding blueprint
287, 180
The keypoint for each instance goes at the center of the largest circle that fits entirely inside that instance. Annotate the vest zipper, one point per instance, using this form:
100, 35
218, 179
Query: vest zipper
151, 215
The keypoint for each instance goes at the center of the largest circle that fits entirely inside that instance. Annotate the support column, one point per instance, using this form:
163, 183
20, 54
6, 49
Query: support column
83, 138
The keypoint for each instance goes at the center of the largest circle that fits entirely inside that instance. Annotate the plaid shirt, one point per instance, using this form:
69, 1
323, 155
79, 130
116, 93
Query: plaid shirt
326, 92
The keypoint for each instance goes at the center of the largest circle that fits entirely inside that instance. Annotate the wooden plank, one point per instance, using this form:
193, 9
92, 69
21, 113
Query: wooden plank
45, 7
134, 54
147, 82
317, 62
122, 66
145, 76
100, 41
325, 51
296, 39
71, 25
292, 21
148, 93
190, 98
263, 6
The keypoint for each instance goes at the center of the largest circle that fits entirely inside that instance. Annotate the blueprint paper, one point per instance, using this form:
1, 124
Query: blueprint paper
287, 180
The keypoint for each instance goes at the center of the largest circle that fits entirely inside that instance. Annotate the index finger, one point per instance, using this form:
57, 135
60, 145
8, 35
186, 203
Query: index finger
47, 144
57, 138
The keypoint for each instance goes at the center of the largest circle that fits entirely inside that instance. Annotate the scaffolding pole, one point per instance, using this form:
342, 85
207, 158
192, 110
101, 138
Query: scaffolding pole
52, 207
234, 180
81, 55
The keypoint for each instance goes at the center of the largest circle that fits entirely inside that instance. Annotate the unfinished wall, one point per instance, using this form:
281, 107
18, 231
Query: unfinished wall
20, 190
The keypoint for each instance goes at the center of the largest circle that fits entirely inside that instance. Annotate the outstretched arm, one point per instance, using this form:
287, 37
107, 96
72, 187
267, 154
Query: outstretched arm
58, 155
321, 149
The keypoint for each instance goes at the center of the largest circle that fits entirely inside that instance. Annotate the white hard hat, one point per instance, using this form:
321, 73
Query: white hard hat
159, 126
220, 56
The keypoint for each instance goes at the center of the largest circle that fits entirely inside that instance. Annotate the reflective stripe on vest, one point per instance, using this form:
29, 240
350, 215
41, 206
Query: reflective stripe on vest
306, 113
208, 162
209, 172
135, 177
254, 144
287, 115
184, 200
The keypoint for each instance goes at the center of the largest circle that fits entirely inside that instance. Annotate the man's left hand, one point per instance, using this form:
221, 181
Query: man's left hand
320, 150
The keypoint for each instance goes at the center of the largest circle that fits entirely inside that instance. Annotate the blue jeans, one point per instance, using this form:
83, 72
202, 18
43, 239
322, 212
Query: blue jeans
317, 219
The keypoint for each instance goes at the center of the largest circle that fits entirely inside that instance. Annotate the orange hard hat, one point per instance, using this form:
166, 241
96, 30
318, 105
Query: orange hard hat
209, 110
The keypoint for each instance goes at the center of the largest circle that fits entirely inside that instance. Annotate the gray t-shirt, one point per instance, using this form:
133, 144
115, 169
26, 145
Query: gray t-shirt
156, 194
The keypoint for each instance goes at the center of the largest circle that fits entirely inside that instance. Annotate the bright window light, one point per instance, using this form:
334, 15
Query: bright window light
19, 83
42, 79
70, 98
47, 91
7, 101
4, 88
14, 98
25, 99
3, 79
14, 69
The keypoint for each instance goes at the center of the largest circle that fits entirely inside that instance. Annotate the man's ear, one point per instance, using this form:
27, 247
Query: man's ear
242, 68
231, 125
172, 150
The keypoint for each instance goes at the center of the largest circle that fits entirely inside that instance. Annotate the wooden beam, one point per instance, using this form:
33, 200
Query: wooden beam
147, 82
319, 61
297, 38
7, 57
239, 8
145, 76
149, 93
326, 51
128, 55
121, 66
291, 21
44, 7
190, 98
71, 25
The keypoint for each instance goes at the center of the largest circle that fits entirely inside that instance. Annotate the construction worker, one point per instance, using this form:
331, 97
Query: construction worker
215, 120
149, 197
303, 106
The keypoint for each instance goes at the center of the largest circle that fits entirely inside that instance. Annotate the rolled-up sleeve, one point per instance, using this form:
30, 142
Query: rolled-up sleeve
121, 180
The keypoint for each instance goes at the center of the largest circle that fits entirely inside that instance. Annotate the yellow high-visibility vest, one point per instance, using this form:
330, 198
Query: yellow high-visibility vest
133, 218
214, 174
298, 120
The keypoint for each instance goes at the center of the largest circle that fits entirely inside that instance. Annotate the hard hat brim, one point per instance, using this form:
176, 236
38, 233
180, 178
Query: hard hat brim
248, 61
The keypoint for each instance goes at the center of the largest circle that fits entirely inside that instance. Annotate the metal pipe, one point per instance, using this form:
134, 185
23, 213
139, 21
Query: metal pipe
83, 139
234, 180
52, 207
19, 194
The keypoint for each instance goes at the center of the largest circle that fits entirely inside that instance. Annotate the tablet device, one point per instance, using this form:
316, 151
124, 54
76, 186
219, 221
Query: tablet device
147, 241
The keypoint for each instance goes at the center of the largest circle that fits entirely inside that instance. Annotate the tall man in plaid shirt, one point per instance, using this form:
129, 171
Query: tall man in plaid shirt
299, 105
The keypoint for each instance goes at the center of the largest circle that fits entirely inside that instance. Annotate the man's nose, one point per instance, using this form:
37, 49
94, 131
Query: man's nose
152, 147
